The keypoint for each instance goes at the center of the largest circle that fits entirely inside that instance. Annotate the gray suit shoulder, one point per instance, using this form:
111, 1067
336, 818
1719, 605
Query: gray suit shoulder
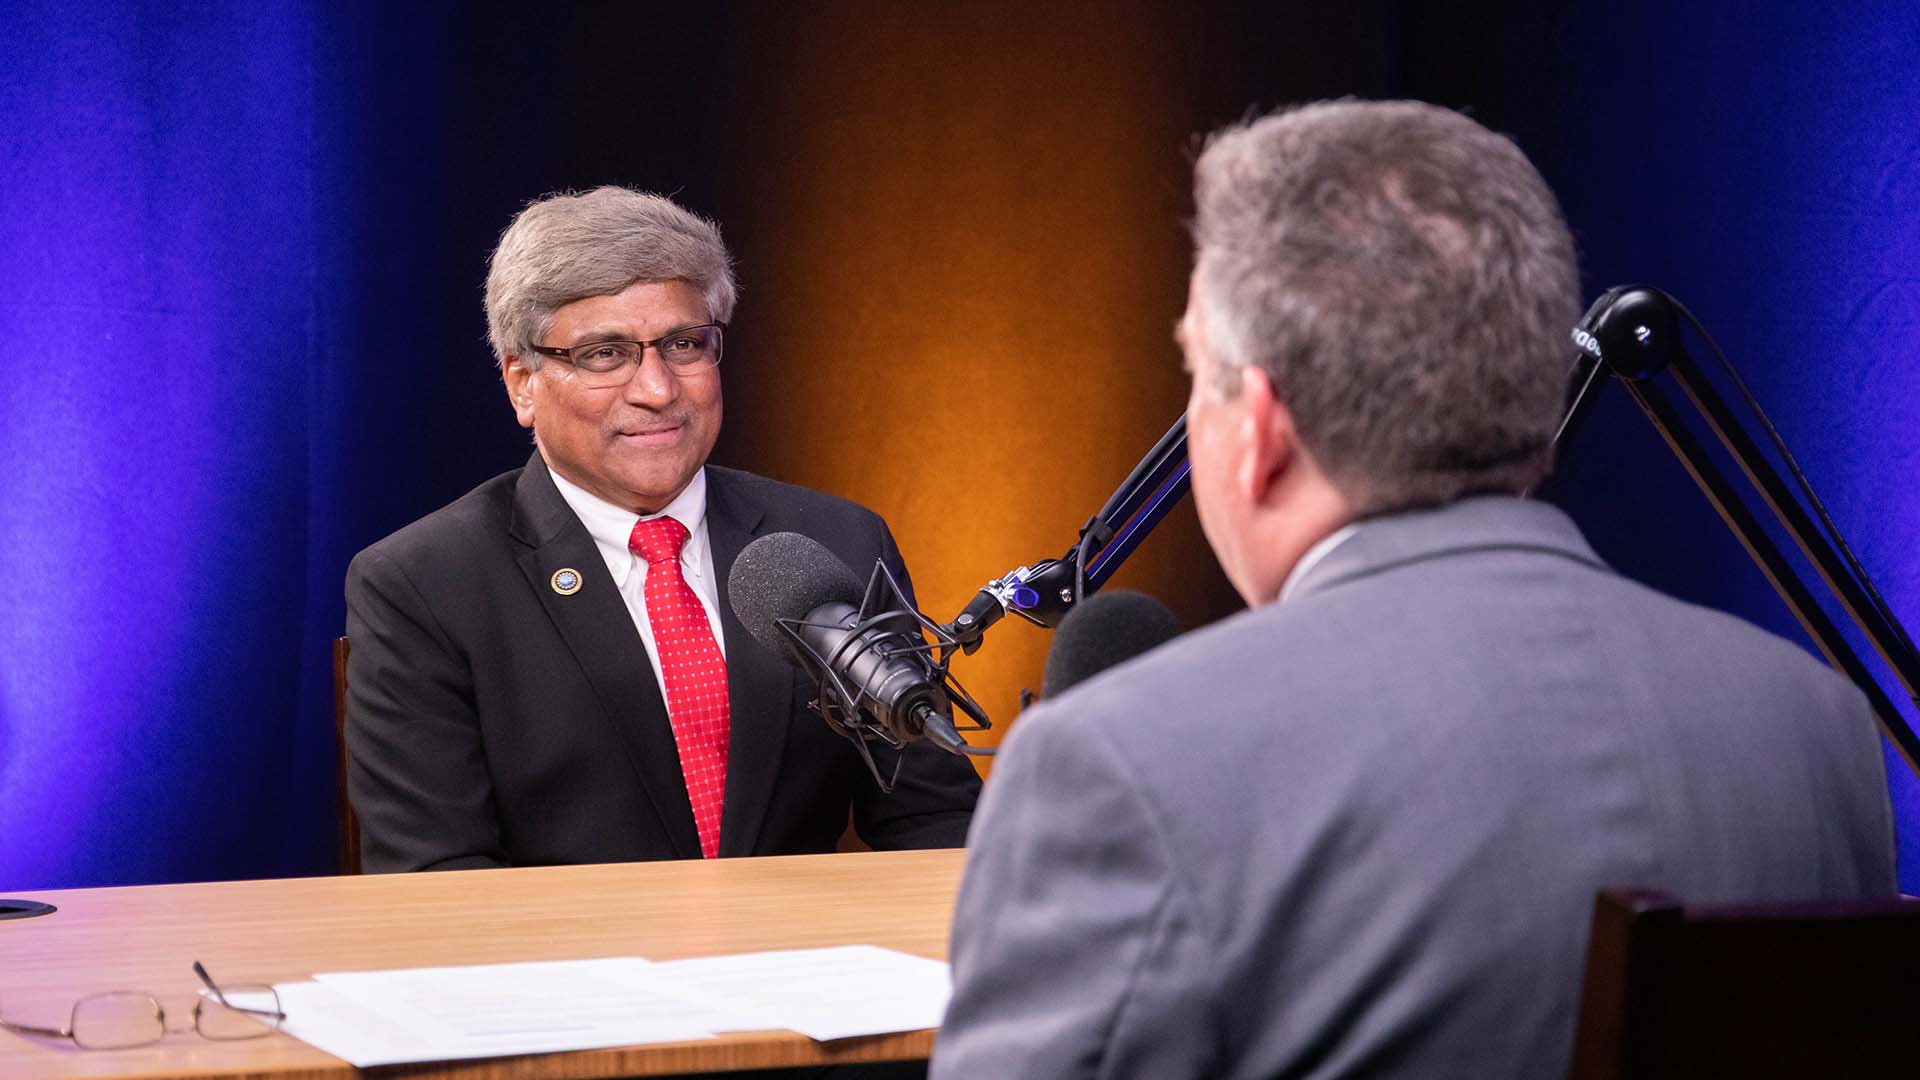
1762, 652
1456, 668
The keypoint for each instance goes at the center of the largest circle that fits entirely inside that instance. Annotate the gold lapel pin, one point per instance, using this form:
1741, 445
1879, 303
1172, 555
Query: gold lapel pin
566, 581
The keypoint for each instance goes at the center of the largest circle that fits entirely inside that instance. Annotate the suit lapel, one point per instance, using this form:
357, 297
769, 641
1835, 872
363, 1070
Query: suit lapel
759, 684
598, 629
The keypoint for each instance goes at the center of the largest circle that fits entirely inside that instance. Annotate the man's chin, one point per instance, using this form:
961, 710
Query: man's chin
653, 491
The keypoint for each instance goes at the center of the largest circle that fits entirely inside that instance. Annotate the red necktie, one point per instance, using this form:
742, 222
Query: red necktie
695, 672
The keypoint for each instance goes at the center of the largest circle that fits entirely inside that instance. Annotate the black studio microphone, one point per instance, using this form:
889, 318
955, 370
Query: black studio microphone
1105, 629
804, 605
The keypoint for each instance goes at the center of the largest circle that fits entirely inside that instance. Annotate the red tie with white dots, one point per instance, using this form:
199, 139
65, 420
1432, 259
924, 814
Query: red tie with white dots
695, 672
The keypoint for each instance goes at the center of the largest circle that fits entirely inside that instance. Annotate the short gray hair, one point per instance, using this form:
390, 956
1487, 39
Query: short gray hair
1405, 279
570, 246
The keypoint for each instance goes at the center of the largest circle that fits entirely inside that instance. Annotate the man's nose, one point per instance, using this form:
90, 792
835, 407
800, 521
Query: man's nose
653, 383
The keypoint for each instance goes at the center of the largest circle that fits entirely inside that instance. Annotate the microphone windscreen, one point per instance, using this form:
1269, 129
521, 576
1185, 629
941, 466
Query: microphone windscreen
784, 576
1106, 628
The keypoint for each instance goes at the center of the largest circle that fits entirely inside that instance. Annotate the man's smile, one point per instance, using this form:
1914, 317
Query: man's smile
661, 435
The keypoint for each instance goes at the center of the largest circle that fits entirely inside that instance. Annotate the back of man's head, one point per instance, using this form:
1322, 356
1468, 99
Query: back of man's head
1406, 281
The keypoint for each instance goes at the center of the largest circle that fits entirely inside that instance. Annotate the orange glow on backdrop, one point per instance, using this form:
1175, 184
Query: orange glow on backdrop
962, 255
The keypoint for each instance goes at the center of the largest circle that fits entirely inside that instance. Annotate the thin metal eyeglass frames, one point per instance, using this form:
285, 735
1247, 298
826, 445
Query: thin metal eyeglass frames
612, 363
121, 1019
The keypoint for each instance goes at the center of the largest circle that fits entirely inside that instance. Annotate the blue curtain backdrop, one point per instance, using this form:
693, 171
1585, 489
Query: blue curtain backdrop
240, 254
157, 276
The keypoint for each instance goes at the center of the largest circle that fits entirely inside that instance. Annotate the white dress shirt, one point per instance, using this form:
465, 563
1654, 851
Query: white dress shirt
610, 526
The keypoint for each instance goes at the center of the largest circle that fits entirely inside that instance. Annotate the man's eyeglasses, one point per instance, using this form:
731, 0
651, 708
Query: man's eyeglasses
611, 363
119, 1019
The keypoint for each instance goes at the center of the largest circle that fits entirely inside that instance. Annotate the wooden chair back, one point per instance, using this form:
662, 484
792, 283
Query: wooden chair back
1750, 991
349, 823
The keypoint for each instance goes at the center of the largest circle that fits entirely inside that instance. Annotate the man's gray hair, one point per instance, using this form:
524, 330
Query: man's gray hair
1405, 279
570, 246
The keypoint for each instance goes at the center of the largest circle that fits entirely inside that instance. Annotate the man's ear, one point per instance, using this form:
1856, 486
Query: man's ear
519, 381
1269, 443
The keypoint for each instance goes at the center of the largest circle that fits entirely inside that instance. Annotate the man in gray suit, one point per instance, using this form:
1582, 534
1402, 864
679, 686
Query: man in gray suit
1357, 829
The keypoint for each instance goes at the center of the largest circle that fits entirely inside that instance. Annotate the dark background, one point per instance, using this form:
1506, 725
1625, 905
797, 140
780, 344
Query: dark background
242, 247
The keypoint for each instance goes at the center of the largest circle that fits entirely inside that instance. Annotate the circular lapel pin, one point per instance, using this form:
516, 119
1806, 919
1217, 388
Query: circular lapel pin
566, 581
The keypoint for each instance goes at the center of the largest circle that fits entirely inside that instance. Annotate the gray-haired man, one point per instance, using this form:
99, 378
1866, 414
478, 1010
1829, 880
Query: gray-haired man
1358, 829
548, 670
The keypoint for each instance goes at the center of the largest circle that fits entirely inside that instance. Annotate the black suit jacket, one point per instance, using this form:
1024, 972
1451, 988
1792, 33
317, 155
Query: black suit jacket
493, 721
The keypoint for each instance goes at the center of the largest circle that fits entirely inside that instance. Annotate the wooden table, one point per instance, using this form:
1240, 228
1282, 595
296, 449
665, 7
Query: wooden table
146, 938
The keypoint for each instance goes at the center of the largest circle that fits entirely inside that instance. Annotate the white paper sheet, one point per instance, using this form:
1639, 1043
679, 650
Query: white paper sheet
824, 994
488, 1010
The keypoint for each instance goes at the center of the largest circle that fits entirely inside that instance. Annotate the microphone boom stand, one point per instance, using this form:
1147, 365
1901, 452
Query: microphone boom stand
1632, 332
1044, 592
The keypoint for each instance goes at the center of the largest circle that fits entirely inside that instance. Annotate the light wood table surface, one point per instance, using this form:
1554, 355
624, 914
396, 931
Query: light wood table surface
146, 938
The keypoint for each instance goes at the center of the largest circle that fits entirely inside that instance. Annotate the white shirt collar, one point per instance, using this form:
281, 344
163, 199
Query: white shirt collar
611, 525
1313, 556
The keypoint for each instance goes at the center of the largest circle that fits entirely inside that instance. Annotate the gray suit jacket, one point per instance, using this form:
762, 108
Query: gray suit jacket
1360, 833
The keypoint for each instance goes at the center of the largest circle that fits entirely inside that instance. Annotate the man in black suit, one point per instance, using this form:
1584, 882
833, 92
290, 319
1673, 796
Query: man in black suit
537, 668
